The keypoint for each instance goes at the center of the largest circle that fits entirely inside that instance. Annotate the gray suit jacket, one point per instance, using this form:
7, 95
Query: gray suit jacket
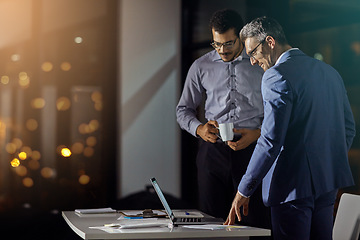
307, 131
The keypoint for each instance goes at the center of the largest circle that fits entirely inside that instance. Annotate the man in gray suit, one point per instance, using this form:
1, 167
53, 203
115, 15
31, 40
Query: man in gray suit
307, 130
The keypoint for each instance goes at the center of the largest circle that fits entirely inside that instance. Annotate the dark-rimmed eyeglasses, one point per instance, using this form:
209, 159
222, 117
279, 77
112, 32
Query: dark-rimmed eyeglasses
253, 52
227, 45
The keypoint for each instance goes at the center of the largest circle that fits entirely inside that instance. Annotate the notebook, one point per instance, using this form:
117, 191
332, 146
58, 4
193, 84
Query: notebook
183, 217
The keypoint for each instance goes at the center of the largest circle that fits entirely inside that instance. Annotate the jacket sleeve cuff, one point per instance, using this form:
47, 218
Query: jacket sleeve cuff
243, 195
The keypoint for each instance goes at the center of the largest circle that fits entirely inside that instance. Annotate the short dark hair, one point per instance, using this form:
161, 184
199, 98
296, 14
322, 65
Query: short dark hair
223, 20
262, 27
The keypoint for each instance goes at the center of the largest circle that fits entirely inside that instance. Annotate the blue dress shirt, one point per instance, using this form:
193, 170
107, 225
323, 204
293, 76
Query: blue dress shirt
232, 89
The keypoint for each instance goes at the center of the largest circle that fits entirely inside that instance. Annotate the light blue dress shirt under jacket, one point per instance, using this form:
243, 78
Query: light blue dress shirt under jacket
232, 89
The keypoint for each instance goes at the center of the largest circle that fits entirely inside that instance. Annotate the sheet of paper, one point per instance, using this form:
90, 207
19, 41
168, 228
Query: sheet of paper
134, 224
95, 210
132, 230
213, 226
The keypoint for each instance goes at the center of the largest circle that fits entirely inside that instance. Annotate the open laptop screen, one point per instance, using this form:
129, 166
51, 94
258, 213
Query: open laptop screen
162, 198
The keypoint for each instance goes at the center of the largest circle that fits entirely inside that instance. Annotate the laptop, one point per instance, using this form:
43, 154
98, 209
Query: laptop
183, 217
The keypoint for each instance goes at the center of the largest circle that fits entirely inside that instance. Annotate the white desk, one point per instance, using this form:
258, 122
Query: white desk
80, 225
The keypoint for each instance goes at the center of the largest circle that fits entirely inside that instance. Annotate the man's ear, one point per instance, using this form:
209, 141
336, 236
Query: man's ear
270, 41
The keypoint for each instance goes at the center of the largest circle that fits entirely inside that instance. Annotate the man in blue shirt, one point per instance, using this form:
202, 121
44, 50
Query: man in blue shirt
232, 91
308, 128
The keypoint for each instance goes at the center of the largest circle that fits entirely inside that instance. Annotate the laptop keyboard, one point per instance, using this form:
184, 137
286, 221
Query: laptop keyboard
190, 220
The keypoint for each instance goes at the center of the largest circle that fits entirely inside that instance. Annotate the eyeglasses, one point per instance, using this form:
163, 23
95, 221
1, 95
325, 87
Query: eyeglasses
227, 45
253, 52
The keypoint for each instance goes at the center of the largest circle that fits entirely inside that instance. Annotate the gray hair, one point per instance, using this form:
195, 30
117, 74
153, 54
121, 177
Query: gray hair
262, 27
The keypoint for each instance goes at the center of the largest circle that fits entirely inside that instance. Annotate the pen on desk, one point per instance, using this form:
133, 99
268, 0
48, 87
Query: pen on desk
186, 213
133, 217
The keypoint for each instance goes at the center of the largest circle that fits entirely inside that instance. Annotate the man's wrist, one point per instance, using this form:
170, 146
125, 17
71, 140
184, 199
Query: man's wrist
243, 195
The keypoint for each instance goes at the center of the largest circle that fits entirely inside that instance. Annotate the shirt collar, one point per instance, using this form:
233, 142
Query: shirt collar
278, 60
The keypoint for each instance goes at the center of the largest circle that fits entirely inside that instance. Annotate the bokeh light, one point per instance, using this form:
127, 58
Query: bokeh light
38, 103
89, 128
28, 182
84, 179
88, 152
98, 106
77, 148
21, 171
22, 155
24, 80
18, 142
78, 40
33, 164
47, 172
5, 80
91, 141
94, 125
36, 155
355, 46
47, 66
63, 103
15, 162
15, 57
65, 66
10, 148
27, 150
31, 124
65, 152
96, 96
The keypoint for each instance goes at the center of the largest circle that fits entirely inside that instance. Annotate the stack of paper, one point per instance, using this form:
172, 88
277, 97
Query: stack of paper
95, 211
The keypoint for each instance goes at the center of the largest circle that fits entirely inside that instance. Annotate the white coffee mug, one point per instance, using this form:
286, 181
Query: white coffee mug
226, 131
